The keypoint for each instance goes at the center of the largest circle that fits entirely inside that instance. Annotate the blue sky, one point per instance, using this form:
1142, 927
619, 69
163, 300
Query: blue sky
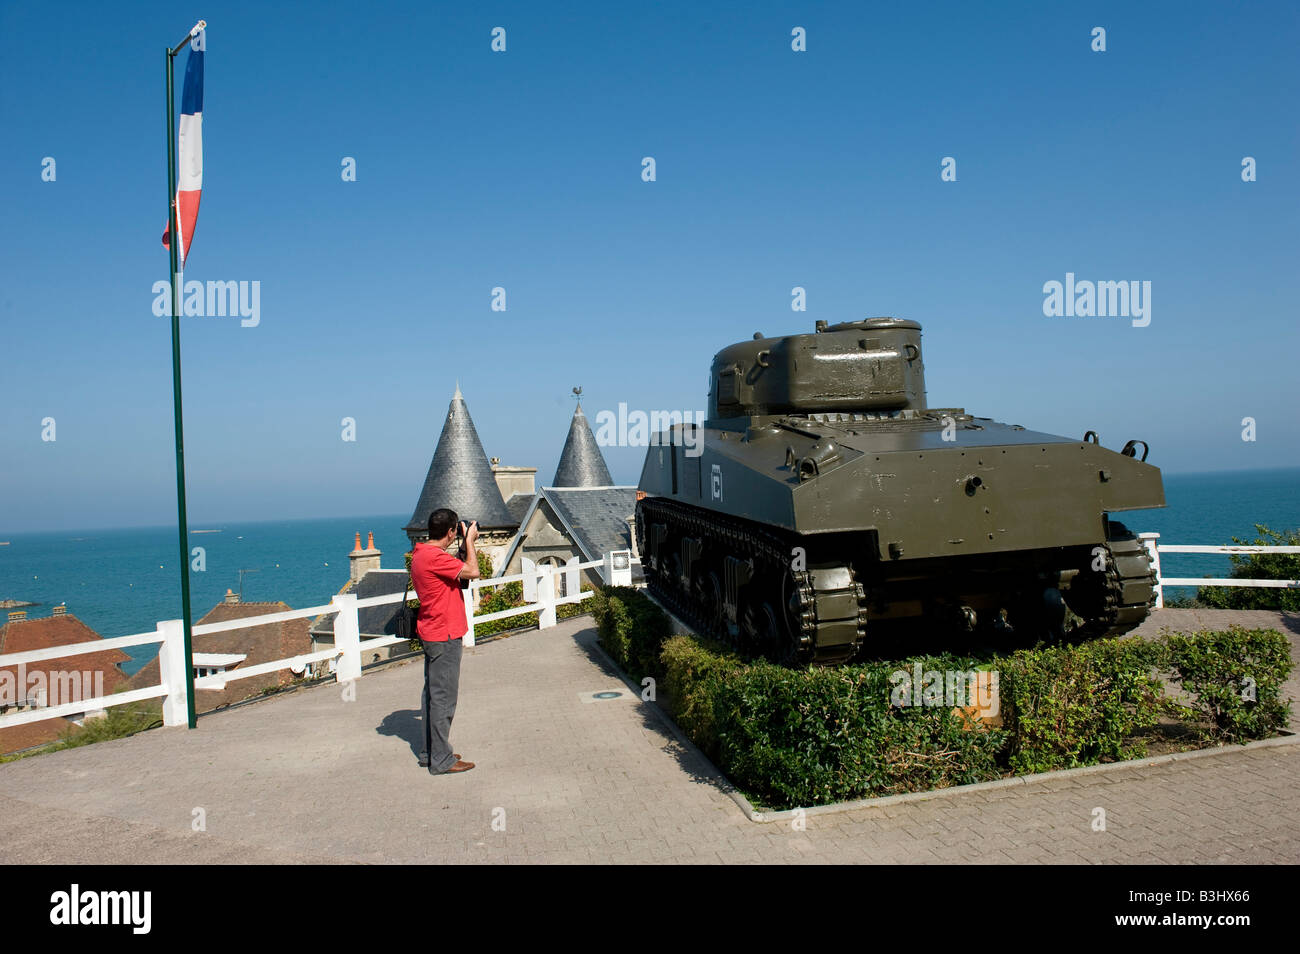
522, 170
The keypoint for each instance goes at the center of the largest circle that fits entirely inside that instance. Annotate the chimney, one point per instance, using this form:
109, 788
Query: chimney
631, 532
231, 596
363, 561
61, 610
17, 616
513, 480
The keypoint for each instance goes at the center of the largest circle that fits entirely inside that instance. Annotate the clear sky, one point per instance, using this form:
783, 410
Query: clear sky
523, 169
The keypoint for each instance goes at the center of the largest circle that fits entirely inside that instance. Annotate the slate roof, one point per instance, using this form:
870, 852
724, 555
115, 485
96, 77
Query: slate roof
259, 643
581, 462
594, 517
460, 476
373, 620
518, 505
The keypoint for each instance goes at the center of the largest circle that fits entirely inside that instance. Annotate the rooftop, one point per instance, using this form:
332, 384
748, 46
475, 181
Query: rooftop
460, 476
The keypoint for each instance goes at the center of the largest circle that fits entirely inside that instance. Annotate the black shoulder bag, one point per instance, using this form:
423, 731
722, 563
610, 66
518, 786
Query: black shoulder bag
406, 616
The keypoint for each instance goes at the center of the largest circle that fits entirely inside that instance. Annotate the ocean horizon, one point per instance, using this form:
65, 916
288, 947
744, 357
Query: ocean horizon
124, 580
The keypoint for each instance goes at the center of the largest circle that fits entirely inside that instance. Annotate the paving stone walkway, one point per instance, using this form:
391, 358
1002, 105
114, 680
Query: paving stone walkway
309, 777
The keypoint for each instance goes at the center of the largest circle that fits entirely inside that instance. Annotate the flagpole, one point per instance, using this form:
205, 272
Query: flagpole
173, 230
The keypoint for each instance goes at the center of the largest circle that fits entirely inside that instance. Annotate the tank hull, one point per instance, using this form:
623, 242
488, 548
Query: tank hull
913, 491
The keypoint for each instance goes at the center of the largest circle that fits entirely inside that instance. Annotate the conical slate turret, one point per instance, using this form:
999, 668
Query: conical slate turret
581, 462
460, 477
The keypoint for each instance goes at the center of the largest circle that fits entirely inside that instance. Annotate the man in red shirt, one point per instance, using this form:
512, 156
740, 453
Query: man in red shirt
435, 577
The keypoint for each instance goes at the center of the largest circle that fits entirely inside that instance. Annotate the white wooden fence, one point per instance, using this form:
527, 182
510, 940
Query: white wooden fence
1155, 548
539, 594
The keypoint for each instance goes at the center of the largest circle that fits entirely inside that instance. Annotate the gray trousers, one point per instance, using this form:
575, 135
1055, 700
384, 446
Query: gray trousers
441, 685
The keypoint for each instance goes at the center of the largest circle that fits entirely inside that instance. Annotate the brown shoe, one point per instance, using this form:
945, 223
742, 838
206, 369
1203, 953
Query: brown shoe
461, 766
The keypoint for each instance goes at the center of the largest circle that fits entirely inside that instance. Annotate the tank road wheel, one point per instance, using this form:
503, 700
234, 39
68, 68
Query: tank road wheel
1117, 598
673, 576
762, 629
714, 603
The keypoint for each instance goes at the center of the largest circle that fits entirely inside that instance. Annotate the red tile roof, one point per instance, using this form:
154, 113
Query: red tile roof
260, 643
24, 635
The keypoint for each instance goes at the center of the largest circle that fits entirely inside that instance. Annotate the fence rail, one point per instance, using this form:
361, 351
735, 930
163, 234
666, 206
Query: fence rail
1155, 548
540, 596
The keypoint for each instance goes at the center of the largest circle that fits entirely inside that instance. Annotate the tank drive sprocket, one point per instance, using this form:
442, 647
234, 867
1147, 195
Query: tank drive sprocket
1117, 599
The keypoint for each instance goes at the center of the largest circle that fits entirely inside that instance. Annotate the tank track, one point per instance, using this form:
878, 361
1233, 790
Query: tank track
1129, 587
829, 589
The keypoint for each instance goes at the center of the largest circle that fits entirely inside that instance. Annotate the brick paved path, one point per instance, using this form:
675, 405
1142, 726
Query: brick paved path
309, 777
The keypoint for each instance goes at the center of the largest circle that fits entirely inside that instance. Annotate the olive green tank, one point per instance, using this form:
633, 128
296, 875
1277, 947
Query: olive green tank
823, 504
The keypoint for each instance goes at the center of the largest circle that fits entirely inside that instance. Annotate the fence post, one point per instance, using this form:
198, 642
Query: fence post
347, 637
468, 595
171, 672
1149, 541
546, 596
529, 569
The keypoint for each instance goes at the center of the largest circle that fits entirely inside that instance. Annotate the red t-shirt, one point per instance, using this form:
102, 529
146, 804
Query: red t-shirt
435, 577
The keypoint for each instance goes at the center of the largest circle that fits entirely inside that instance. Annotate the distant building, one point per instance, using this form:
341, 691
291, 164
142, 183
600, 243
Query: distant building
366, 578
54, 681
227, 651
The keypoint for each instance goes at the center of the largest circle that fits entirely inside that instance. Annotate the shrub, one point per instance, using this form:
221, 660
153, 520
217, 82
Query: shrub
1072, 706
632, 629
807, 737
1260, 566
118, 723
1236, 678
692, 668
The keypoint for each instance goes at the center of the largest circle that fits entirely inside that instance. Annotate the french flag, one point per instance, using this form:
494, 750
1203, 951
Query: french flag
189, 184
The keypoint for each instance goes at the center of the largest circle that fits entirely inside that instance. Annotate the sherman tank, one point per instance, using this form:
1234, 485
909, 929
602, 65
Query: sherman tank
822, 508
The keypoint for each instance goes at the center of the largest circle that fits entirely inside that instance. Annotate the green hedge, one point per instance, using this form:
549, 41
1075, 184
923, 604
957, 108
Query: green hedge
1236, 678
631, 629
1071, 706
806, 737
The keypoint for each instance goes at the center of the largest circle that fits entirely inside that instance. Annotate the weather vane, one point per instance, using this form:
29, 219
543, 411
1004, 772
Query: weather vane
577, 396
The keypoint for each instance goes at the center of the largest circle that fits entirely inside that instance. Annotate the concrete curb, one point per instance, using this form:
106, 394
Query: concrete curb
885, 801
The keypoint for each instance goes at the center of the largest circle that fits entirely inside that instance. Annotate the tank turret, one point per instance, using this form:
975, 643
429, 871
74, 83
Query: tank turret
868, 365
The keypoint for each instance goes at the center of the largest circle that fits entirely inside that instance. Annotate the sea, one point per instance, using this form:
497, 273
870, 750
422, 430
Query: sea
121, 582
